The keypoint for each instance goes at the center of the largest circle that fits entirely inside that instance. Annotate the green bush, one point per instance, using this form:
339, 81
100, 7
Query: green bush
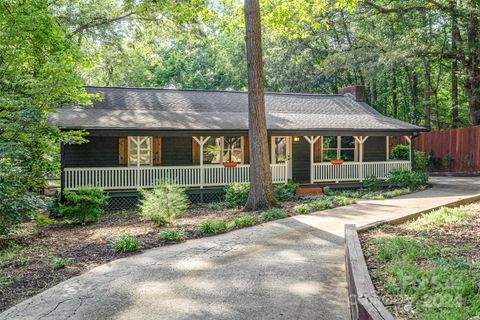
371, 183
302, 209
245, 221
400, 152
447, 161
211, 226
163, 204
236, 195
407, 179
84, 205
325, 203
172, 235
126, 243
432, 161
343, 201
285, 192
60, 263
274, 214
419, 161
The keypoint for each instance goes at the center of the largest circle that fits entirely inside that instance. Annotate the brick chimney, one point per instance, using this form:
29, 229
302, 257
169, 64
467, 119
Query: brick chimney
357, 92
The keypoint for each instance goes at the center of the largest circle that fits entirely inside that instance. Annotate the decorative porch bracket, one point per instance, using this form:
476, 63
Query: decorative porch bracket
201, 141
360, 140
312, 140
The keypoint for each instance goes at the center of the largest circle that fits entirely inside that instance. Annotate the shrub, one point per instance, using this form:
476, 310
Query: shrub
84, 205
163, 204
236, 195
274, 214
210, 226
432, 161
172, 235
126, 243
371, 183
400, 152
447, 161
322, 204
245, 221
407, 179
302, 209
215, 205
60, 263
43, 221
419, 160
285, 192
344, 201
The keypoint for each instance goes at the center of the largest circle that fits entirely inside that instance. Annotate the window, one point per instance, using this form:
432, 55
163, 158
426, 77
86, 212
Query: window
139, 151
343, 148
219, 149
279, 149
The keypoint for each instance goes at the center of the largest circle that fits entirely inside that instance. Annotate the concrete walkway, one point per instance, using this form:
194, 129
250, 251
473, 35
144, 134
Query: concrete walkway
289, 269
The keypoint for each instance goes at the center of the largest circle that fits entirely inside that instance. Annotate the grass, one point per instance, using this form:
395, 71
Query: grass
60, 262
273, 214
171, 235
214, 226
126, 243
245, 221
441, 217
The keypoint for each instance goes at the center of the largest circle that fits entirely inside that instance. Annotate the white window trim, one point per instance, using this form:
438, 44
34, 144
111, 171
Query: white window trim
138, 140
339, 148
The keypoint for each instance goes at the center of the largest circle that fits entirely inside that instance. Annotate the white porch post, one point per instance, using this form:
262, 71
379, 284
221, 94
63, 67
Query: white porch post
311, 140
361, 140
409, 139
201, 141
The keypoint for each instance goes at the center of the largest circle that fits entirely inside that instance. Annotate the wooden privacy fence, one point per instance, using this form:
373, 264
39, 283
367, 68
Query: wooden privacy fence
462, 144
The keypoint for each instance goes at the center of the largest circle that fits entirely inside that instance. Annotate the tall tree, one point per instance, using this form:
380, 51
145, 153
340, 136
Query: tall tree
261, 190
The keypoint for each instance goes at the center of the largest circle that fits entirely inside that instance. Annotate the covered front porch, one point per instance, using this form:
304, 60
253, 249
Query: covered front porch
145, 161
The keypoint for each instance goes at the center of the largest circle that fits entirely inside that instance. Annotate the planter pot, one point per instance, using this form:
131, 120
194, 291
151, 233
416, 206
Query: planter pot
229, 164
336, 162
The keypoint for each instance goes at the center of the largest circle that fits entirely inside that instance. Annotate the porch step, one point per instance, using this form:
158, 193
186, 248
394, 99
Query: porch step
309, 191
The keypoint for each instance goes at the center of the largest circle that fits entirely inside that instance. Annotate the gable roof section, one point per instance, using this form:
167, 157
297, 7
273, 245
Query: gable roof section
168, 109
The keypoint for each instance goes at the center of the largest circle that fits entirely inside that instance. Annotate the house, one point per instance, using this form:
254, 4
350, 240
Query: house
140, 136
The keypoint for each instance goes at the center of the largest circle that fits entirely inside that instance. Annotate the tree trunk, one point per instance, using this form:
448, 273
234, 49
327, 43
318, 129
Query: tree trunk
261, 189
426, 96
394, 94
454, 66
414, 93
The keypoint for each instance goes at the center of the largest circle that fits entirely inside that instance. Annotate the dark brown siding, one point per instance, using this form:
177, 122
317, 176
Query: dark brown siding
177, 151
375, 149
98, 152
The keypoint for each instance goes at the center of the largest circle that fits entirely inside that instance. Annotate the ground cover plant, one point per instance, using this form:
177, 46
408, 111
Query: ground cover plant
428, 268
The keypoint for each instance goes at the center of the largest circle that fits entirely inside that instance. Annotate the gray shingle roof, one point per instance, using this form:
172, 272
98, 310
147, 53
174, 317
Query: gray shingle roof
168, 109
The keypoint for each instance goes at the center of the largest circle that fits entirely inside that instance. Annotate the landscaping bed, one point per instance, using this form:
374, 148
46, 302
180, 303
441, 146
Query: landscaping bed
428, 268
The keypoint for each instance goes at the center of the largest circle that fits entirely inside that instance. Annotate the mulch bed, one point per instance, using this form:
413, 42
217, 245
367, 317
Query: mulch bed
464, 236
30, 270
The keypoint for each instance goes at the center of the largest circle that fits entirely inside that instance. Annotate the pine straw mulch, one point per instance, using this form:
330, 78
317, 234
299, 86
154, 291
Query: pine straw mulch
26, 257
463, 238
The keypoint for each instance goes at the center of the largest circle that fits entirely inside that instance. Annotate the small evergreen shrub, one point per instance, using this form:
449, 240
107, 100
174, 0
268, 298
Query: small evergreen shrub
126, 243
371, 183
245, 221
302, 209
84, 205
172, 235
163, 204
211, 226
60, 263
406, 179
419, 161
273, 214
400, 152
236, 195
285, 192
432, 161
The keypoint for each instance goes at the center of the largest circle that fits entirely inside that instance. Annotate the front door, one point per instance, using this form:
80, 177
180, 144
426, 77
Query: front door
282, 152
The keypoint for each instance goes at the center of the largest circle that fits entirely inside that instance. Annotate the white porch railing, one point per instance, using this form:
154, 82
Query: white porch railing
356, 171
117, 178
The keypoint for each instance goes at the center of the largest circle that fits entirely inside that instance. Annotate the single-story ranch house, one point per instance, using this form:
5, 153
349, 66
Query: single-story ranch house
199, 139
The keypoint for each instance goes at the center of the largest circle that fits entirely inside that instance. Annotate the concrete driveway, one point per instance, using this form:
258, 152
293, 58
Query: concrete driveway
289, 269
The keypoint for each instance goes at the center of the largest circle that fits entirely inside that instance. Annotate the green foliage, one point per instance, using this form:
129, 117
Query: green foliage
171, 235
400, 152
371, 183
285, 192
245, 221
60, 263
126, 243
322, 204
447, 161
438, 218
407, 179
163, 204
343, 201
302, 209
84, 205
236, 195
432, 161
381, 195
402, 247
419, 161
214, 226
273, 214
43, 221
215, 205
